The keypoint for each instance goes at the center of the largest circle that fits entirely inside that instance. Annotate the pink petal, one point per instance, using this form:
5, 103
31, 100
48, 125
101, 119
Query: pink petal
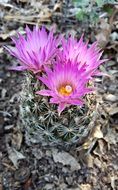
61, 107
76, 102
18, 68
55, 100
34, 49
44, 92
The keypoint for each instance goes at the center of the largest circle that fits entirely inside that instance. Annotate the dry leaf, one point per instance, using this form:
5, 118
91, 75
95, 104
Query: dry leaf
113, 111
89, 160
85, 187
98, 163
58, 6
17, 139
14, 156
45, 14
111, 137
101, 148
102, 144
1, 50
98, 133
35, 4
49, 186
66, 159
103, 36
7, 35
113, 178
86, 145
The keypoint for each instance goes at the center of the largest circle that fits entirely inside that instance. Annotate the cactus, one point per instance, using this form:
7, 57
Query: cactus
42, 122
55, 105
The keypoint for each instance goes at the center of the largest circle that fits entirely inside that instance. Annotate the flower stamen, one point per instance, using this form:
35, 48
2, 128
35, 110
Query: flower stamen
65, 90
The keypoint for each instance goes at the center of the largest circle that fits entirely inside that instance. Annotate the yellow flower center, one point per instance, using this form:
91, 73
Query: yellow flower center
65, 90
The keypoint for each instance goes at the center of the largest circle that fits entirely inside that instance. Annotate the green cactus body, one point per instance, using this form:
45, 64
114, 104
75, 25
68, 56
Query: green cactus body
42, 123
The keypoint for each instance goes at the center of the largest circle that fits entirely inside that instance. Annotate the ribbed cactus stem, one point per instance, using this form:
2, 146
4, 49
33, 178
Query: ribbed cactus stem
42, 122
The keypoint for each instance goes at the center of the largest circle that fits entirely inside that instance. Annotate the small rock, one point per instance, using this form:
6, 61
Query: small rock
49, 178
111, 97
8, 127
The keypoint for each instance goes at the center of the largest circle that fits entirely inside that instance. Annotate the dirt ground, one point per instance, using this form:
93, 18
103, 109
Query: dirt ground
33, 167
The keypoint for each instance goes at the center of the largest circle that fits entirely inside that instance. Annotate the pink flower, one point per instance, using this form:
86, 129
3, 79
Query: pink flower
79, 52
35, 50
66, 85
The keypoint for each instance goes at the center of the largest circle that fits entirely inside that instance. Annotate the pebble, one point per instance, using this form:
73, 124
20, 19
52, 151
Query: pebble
111, 97
49, 178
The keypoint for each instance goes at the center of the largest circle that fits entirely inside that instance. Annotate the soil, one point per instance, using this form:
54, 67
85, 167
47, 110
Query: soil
34, 167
